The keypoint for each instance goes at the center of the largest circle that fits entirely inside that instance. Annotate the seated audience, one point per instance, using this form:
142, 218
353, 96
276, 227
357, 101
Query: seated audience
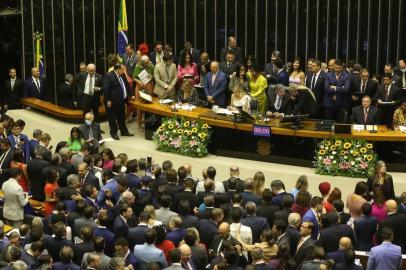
240, 99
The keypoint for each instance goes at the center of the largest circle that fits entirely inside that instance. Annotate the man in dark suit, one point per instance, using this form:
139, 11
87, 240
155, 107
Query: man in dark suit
86, 176
305, 244
303, 101
120, 226
337, 95
85, 221
401, 72
122, 249
396, 79
266, 209
66, 92
55, 243
91, 131
30, 257
108, 236
79, 249
13, 91
235, 177
65, 262
248, 195
338, 206
279, 231
330, 237
88, 90
215, 87
229, 67
361, 86
136, 235
20, 142
271, 71
193, 51
283, 214
278, 101
395, 221
157, 54
365, 114
315, 83
292, 231
187, 195
257, 224
223, 235
387, 98
130, 58
34, 86
282, 74
339, 255
199, 254
232, 46
116, 95
208, 228
34, 173
278, 190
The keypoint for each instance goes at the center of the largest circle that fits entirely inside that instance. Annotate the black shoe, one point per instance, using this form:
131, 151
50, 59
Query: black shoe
128, 134
115, 137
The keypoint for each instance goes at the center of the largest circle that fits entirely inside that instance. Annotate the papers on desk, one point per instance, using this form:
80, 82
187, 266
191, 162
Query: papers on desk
364, 127
185, 107
144, 77
219, 110
166, 101
145, 96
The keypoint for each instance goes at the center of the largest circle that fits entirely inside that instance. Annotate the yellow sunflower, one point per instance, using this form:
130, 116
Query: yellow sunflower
369, 145
355, 153
180, 131
189, 133
202, 135
327, 143
347, 145
160, 128
338, 143
333, 147
186, 124
322, 152
170, 126
363, 150
205, 125
194, 130
369, 157
342, 152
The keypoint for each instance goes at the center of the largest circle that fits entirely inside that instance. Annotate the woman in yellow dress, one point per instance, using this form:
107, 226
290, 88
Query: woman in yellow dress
257, 86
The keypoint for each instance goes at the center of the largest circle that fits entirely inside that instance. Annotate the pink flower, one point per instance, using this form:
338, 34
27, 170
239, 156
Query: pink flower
363, 165
162, 137
327, 161
345, 165
175, 142
193, 143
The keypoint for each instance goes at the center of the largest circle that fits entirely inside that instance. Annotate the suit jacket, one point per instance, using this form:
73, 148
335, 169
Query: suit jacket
14, 200
397, 223
174, 266
207, 230
283, 77
303, 103
81, 84
80, 249
283, 240
79, 223
195, 56
112, 89
109, 240
277, 199
25, 147
65, 95
37, 182
330, 237
91, 179
341, 94
358, 116
337, 256
318, 89
84, 129
294, 236
136, 235
282, 215
218, 242
257, 225
164, 215
304, 251
184, 195
176, 236
271, 103
6, 165
11, 97
356, 88
30, 260
217, 89
120, 227
31, 89
385, 256
130, 62
267, 210
54, 246
365, 228
162, 80
240, 185
189, 221
344, 266
199, 257
229, 70
65, 266
237, 54
394, 95
249, 196
33, 144
309, 216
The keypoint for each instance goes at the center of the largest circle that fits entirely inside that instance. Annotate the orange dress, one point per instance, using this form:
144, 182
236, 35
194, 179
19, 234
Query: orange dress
50, 190
23, 180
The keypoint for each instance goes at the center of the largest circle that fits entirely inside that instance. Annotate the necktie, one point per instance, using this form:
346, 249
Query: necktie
313, 81
228, 65
213, 78
2, 158
91, 92
363, 87
90, 132
300, 243
38, 86
365, 116
123, 87
278, 102
386, 93
167, 73
12, 84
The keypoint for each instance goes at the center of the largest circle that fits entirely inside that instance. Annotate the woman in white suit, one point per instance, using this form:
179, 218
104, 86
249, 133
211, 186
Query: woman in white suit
14, 199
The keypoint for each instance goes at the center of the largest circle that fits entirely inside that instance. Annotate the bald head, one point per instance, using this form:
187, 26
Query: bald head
35, 72
91, 69
214, 66
224, 230
185, 252
345, 243
392, 206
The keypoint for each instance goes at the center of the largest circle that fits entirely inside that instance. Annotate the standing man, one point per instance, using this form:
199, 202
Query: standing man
130, 58
156, 55
66, 92
13, 91
232, 46
14, 199
89, 84
387, 97
35, 85
116, 94
166, 77
215, 86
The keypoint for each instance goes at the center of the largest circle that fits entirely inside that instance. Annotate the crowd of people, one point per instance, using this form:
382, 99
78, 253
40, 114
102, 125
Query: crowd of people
106, 211
345, 92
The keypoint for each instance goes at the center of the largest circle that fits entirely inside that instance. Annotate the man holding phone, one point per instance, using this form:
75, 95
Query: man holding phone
20, 142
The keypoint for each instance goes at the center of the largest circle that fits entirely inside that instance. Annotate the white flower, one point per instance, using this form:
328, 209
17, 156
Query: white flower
334, 162
320, 157
352, 163
350, 151
331, 157
334, 152
345, 157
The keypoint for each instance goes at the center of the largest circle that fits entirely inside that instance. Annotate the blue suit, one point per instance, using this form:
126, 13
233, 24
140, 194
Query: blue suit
25, 147
133, 180
218, 89
277, 199
338, 98
283, 77
109, 240
207, 230
309, 216
257, 225
365, 228
131, 259
120, 227
113, 187
31, 89
176, 236
385, 256
65, 266
33, 145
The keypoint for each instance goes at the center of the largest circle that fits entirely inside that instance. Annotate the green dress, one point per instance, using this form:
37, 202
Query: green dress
75, 145
257, 89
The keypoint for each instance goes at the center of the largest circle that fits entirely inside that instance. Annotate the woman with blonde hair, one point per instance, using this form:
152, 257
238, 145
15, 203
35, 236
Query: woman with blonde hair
267, 244
150, 209
382, 180
187, 93
301, 184
259, 182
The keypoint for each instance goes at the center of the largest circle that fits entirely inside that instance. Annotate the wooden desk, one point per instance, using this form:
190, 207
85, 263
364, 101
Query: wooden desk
277, 128
56, 110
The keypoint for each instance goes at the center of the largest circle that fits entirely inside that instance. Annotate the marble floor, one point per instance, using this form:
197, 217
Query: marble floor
137, 147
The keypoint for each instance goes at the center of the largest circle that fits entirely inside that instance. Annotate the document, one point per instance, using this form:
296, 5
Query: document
144, 77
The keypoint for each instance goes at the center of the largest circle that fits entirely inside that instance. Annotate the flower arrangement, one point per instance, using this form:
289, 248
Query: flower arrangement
185, 137
353, 158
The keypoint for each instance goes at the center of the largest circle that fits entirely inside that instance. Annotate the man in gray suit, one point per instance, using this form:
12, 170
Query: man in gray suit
175, 256
87, 220
14, 199
91, 132
130, 59
99, 245
166, 76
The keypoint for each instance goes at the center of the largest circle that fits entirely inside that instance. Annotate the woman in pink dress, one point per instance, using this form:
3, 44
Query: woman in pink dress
187, 68
108, 159
379, 209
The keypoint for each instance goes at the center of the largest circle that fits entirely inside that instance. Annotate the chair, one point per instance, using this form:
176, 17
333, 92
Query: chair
342, 116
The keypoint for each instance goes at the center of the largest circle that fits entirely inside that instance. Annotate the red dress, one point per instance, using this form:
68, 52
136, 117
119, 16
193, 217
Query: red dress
50, 191
166, 246
23, 180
